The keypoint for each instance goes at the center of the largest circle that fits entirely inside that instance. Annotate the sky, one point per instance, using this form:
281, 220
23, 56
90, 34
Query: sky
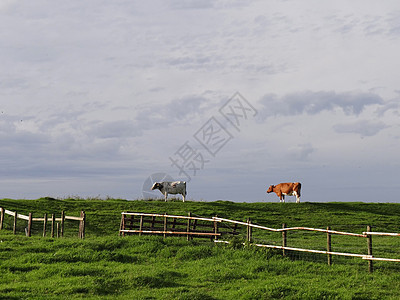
103, 98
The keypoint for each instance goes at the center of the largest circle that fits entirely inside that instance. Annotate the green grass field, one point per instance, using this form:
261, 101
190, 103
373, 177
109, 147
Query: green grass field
107, 266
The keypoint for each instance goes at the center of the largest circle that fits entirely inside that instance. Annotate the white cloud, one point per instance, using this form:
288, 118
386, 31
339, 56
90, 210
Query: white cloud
107, 91
389, 106
312, 103
364, 128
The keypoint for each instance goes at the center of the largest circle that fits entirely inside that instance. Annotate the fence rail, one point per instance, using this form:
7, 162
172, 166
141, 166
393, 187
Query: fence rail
382, 233
57, 229
164, 224
292, 228
147, 223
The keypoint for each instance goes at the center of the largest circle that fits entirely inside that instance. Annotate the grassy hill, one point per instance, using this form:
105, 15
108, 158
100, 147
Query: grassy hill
106, 266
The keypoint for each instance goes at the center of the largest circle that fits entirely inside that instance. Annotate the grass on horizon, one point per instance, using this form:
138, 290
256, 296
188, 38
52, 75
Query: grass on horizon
106, 266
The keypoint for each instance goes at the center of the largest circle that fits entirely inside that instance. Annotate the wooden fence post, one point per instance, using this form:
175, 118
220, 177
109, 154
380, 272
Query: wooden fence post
188, 226
249, 230
141, 225
121, 225
80, 227
62, 223
83, 225
15, 222
53, 224
1, 217
165, 225
44, 225
30, 225
329, 246
215, 229
284, 239
369, 243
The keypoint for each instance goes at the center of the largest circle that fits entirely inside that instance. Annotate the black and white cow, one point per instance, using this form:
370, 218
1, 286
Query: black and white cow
168, 187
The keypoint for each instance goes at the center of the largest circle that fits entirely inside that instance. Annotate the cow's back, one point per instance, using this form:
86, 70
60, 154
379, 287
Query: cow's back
289, 187
176, 186
285, 187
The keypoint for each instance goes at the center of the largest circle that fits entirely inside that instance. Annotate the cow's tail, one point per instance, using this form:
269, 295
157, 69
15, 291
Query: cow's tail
297, 188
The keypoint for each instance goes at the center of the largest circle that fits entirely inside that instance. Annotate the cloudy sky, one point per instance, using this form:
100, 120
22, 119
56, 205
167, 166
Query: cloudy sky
101, 98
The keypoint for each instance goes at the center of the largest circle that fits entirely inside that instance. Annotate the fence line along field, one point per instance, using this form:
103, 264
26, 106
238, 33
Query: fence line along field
188, 263
57, 224
220, 227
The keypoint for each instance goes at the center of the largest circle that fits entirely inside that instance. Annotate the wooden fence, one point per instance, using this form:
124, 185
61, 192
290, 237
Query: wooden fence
57, 224
216, 227
163, 224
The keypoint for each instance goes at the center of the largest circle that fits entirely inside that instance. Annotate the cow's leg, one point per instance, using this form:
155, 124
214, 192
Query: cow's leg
183, 197
282, 198
279, 195
166, 195
297, 196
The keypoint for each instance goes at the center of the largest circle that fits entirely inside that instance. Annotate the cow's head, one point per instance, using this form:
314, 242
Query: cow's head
270, 189
157, 185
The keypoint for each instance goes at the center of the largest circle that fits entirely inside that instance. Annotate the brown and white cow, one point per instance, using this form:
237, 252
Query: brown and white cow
286, 189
